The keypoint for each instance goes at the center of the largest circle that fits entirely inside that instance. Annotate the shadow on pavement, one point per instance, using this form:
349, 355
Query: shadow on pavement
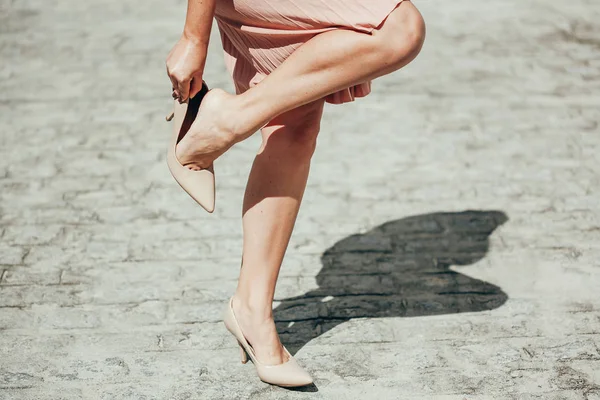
398, 269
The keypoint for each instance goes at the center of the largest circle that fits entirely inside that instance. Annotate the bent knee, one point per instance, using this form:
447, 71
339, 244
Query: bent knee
404, 35
297, 141
296, 131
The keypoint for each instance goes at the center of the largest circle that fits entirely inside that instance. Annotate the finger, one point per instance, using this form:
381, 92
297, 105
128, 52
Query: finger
183, 88
195, 87
169, 74
174, 85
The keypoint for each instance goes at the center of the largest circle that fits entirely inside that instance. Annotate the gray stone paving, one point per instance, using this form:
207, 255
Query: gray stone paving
448, 247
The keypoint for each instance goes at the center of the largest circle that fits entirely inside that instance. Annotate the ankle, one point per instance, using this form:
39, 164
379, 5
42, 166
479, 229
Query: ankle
257, 310
250, 114
223, 111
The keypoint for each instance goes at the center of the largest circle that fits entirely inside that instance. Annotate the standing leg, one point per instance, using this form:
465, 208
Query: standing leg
271, 202
328, 62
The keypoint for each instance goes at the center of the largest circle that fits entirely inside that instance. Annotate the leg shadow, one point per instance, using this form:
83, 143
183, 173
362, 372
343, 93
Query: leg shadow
398, 269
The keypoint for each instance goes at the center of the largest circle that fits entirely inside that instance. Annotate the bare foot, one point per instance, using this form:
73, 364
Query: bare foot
261, 334
212, 133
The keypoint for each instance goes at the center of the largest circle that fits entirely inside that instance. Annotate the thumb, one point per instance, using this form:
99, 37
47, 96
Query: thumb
195, 86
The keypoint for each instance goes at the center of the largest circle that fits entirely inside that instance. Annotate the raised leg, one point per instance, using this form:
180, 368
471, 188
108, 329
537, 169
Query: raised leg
273, 195
328, 62
336, 60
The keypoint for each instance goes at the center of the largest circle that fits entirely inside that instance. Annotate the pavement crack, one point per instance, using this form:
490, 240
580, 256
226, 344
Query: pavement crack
529, 353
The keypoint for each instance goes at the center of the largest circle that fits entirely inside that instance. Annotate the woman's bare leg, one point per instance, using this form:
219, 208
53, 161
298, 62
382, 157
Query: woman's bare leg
328, 62
273, 195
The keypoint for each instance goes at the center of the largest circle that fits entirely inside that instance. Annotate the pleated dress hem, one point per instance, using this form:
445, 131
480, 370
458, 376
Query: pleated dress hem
254, 46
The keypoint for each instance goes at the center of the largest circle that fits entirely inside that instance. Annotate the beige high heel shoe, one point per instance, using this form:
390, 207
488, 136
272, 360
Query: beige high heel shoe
200, 185
288, 374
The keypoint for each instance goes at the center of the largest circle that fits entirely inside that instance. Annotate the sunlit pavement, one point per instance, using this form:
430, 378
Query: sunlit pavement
448, 246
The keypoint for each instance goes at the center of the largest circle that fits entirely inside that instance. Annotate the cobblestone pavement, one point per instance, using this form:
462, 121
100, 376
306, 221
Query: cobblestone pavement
112, 279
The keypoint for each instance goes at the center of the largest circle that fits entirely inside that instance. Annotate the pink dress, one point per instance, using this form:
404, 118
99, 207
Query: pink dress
258, 35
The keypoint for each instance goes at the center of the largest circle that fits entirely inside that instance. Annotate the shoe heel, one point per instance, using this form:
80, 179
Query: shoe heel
243, 354
287, 374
